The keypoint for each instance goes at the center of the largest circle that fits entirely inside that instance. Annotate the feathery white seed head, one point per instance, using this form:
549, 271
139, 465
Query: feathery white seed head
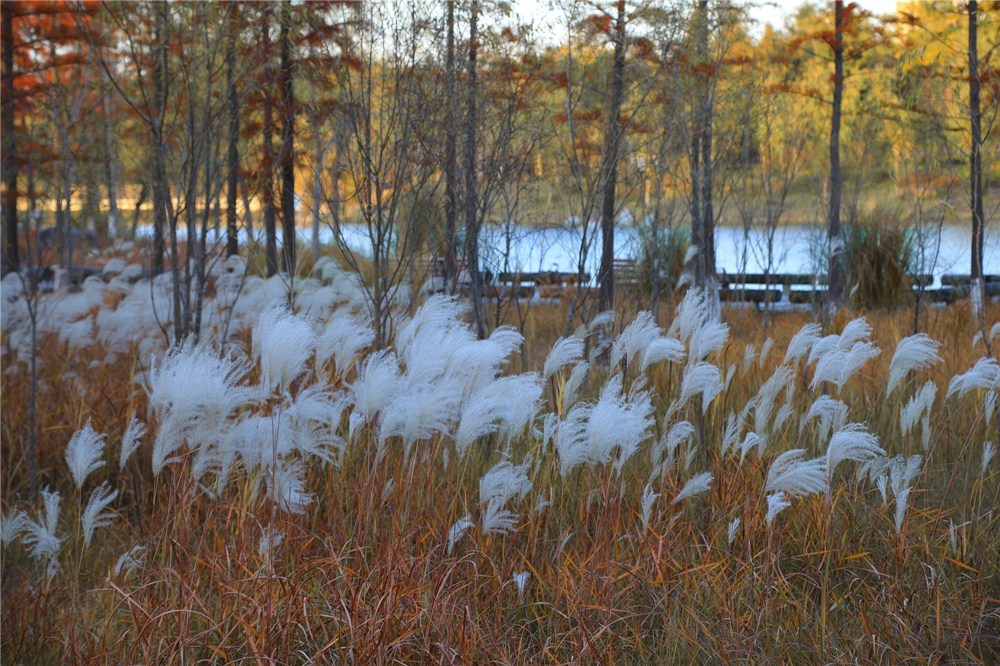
131, 440
852, 442
94, 515
734, 527
83, 453
699, 483
130, 560
776, 503
985, 374
457, 531
793, 474
912, 353
565, 351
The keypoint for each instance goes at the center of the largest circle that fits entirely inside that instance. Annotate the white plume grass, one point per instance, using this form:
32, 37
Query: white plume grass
83, 453
648, 499
802, 342
776, 503
39, 536
94, 515
703, 378
130, 560
989, 451
458, 530
915, 352
283, 342
792, 474
985, 374
566, 351
852, 442
131, 441
840, 365
696, 485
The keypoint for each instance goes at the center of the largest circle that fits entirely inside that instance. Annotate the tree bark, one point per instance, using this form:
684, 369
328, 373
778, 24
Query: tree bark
267, 166
287, 144
471, 198
835, 281
11, 259
159, 149
450, 155
110, 166
977, 286
612, 149
707, 208
232, 154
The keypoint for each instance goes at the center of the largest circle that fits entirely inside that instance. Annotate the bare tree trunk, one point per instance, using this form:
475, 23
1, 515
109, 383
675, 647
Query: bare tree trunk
977, 286
835, 285
267, 167
707, 209
450, 156
612, 148
159, 150
471, 200
11, 260
287, 145
232, 154
110, 166
319, 157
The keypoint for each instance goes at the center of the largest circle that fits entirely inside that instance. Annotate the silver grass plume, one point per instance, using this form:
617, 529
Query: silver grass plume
840, 365
989, 450
130, 560
918, 409
711, 337
498, 486
671, 440
765, 351
912, 353
902, 472
12, 526
286, 488
83, 453
520, 581
194, 391
341, 339
282, 342
703, 378
565, 351
985, 374
696, 485
577, 377
751, 440
39, 536
605, 318
590, 433
776, 503
731, 434
131, 440
852, 442
749, 355
458, 530
766, 395
648, 499
94, 515
376, 386
802, 342
733, 529
792, 474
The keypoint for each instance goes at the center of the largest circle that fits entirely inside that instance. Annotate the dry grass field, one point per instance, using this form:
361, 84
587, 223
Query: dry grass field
413, 517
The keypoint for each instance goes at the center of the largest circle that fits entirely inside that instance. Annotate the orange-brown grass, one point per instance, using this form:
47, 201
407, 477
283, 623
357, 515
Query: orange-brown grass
364, 577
